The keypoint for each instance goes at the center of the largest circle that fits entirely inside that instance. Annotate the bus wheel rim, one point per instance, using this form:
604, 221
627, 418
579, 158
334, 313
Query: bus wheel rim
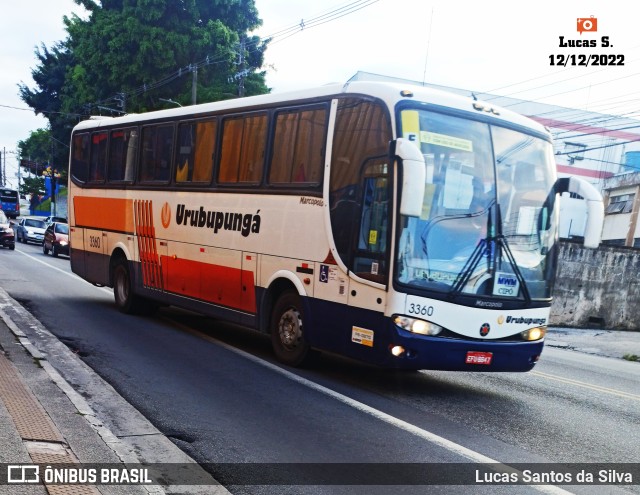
122, 287
290, 328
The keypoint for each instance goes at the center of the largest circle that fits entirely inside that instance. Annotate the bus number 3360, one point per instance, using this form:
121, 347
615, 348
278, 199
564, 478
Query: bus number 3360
94, 241
419, 309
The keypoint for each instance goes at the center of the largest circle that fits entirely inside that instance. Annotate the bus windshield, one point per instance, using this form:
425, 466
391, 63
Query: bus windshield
488, 218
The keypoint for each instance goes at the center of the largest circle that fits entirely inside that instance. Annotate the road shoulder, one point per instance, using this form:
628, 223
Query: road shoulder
98, 424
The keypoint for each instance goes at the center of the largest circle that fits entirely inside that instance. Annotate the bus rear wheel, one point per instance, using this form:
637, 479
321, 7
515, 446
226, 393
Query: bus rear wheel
287, 330
126, 301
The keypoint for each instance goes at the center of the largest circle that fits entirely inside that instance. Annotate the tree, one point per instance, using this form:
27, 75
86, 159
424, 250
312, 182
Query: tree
36, 146
128, 55
33, 186
50, 77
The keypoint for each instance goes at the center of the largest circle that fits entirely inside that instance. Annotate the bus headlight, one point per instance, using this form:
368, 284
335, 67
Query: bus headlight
417, 326
535, 333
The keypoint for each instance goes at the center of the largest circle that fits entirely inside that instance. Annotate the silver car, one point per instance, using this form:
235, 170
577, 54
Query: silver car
30, 229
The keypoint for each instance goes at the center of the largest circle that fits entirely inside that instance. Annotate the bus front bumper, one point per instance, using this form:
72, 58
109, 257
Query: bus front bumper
409, 351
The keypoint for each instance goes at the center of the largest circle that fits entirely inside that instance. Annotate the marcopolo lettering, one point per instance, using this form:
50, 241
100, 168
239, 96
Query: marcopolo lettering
245, 223
311, 201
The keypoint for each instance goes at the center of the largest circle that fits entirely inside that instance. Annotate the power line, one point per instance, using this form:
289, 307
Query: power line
600, 147
550, 75
577, 89
318, 20
41, 111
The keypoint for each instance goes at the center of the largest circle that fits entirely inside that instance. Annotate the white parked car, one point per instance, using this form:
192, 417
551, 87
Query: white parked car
30, 229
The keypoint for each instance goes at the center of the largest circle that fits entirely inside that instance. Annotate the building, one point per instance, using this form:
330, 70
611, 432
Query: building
622, 204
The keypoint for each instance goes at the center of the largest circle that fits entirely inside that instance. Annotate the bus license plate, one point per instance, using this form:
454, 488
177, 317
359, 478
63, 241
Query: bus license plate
475, 357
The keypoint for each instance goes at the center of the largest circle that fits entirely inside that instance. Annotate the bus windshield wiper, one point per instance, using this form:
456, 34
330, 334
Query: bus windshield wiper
476, 256
494, 245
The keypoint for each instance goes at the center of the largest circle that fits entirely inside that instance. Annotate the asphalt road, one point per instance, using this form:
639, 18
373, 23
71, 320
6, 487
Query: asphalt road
216, 391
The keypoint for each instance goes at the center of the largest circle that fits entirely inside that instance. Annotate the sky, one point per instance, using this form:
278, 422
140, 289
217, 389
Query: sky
498, 46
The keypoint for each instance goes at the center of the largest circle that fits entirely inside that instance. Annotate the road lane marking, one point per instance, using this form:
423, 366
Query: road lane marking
458, 449
577, 383
569, 381
380, 415
68, 274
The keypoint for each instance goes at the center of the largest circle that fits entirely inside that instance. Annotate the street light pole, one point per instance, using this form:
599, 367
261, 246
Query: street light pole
194, 84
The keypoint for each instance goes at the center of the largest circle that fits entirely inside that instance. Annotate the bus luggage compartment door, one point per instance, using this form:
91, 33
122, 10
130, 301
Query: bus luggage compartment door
96, 262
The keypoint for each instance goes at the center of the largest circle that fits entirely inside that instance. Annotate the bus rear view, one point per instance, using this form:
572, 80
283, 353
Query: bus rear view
10, 201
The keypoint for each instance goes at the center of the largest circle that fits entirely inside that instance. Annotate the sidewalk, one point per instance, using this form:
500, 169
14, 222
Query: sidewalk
608, 343
45, 420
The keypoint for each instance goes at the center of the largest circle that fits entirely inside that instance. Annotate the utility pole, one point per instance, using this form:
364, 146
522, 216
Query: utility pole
241, 64
4, 168
122, 101
194, 83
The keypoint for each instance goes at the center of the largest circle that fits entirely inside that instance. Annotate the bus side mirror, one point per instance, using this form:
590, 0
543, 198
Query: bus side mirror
413, 176
595, 207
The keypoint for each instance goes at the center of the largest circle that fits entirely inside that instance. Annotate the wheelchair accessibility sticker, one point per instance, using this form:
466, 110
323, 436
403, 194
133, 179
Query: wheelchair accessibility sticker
328, 274
324, 274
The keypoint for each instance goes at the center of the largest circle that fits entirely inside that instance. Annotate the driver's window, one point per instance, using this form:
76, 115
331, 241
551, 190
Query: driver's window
359, 184
369, 258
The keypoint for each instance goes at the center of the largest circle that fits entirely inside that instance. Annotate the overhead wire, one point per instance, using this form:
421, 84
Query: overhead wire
543, 76
343, 10
331, 15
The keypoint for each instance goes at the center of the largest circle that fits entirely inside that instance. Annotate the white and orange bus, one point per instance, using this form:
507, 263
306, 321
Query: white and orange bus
392, 224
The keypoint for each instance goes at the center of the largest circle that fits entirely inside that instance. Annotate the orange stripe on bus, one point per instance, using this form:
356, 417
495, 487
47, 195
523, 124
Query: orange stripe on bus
104, 213
217, 284
149, 260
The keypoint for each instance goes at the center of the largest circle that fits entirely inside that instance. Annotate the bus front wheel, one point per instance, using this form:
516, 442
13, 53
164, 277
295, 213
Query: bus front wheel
287, 330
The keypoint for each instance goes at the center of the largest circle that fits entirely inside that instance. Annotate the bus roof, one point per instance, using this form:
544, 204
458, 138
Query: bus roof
390, 92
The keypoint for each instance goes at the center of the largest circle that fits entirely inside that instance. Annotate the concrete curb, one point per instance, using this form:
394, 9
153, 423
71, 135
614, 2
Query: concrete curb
122, 428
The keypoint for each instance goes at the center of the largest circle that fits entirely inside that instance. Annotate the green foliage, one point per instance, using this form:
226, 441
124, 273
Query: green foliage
37, 147
47, 99
130, 54
32, 185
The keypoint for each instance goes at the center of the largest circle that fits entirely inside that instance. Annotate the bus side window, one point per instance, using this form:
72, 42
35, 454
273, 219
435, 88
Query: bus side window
298, 147
196, 146
122, 153
244, 141
98, 162
157, 152
80, 157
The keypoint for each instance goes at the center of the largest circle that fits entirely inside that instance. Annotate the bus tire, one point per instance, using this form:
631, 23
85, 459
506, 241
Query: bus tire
287, 330
126, 301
